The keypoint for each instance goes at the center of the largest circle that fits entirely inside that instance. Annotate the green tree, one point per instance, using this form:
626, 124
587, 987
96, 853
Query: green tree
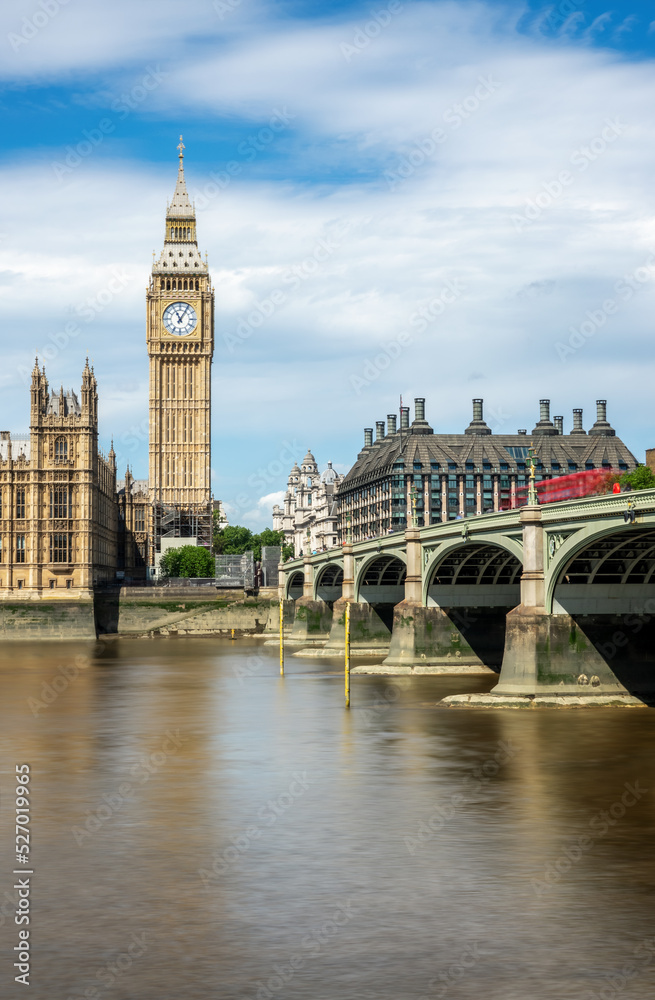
641, 478
188, 561
235, 539
267, 537
169, 563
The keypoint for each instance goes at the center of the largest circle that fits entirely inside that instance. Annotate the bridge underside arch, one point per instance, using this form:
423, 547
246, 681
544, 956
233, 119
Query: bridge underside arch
382, 585
477, 574
329, 583
295, 585
476, 585
608, 588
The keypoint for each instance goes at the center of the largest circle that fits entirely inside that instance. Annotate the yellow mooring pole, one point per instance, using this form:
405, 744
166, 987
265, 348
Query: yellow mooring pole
281, 637
348, 655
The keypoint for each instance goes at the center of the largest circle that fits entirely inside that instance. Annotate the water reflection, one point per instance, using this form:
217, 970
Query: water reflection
204, 828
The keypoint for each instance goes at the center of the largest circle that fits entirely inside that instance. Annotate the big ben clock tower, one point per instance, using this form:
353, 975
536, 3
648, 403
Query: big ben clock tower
180, 338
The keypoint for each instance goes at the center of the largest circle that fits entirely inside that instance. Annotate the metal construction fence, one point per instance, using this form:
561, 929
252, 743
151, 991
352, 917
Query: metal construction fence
236, 571
271, 557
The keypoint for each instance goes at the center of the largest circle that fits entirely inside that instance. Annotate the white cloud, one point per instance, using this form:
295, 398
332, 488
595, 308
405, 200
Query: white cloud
258, 517
54, 39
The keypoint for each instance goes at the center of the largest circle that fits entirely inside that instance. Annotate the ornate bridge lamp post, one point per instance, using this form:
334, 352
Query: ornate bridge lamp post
308, 584
413, 579
412, 520
533, 499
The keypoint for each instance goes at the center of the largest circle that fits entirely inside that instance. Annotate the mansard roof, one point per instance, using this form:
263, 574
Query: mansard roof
181, 259
419, 444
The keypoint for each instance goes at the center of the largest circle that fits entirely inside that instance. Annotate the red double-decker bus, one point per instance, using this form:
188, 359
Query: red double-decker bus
576, 484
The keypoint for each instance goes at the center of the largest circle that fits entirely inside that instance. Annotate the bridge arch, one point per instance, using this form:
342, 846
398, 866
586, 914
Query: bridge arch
606, 570
328, 582
381, 579
484, 569
603, 579
294, 585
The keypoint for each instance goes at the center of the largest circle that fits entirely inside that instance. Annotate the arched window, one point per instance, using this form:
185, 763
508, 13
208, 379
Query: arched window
61, 450
168, 284
197, 285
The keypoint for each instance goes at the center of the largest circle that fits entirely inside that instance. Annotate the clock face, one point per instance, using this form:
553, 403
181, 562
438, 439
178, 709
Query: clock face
180, 318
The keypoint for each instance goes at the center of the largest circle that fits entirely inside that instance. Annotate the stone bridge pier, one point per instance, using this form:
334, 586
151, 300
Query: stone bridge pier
427, 639
313, 617
548, 658
369, 634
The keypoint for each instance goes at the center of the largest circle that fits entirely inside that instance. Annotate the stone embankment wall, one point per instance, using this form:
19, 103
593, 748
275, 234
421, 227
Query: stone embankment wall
184, 611
139, 611
29, 620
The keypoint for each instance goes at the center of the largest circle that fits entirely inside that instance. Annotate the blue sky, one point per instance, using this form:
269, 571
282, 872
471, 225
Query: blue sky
435, 199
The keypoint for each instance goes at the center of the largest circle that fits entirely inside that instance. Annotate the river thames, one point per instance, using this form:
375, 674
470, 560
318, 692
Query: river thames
202, 828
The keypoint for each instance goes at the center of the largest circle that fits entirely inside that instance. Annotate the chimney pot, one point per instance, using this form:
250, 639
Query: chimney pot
477, 409
368, 437
559, 424
404, 417
391, 423
379, 430
522, 430
545, 425
601, 428
419, 408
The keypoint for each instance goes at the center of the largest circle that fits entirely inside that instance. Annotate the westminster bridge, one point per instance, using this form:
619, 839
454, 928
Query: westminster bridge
558, 599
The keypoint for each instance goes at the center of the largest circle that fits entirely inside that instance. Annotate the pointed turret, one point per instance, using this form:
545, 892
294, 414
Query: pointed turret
180, 257
39, 394
181, 207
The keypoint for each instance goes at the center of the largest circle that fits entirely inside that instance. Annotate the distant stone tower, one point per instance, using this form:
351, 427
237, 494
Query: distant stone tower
180, 338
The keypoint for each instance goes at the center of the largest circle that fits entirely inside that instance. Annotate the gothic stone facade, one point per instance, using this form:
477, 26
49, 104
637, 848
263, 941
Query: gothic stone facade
459, 475
134, 541
58, 492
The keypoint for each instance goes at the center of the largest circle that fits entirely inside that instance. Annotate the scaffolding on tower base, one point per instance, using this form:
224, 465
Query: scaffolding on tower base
178, 521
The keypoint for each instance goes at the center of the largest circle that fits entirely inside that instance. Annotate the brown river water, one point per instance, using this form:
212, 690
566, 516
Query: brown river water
202, 828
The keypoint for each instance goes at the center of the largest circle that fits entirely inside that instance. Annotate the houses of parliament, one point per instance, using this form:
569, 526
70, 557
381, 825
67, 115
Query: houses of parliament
67, 524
